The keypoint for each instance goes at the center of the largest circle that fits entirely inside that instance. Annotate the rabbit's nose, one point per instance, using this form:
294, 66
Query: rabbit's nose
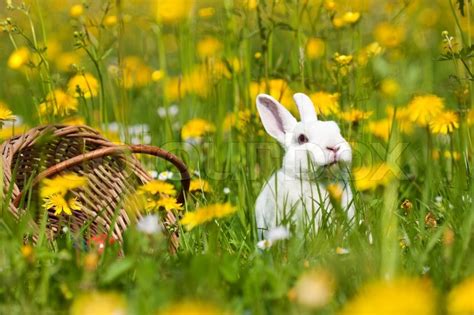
333, 149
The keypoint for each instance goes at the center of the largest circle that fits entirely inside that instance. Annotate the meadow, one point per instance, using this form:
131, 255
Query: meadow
396, 76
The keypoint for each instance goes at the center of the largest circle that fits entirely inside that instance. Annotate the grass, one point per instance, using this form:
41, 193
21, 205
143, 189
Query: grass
417, 223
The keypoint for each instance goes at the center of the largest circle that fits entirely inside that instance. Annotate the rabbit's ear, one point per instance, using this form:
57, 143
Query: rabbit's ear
305, 107
276, 119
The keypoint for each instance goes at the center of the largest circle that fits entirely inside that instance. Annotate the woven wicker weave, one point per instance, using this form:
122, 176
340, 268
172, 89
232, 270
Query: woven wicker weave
112, 174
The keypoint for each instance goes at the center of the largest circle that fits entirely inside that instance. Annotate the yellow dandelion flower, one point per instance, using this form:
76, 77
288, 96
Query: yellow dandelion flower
257, 55
199, 185
58, 203
58, 103
5, 113
66, 60
330, 5
196, 128
343, 60
18, 58
452, 155
402, 296
207, 213
236, 64
389, 87
157, 75
61, 184
229, 122
247, 4
27, 251
355, 115
135, 73
278, 88
110, 20
367, 52
373, 49
155, 187
335, 191
351, 17
208, 47
192, 308
206, 12
389, 35
444, 123
168, 203
402, 115
424, 108
446, 154
194, 82
315, 48
76, 10
325, 103
369, 178
99, 303
338, 22
460, 301
171, 11
86, 83
219, 70
381, 128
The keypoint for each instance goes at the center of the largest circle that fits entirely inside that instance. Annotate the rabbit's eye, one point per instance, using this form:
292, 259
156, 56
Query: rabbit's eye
302, 139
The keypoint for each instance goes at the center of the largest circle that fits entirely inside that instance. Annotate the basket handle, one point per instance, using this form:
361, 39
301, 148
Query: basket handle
115, 150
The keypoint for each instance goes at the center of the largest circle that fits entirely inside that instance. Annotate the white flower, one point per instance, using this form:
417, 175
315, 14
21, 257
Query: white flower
278, 233
275, 234
171, 111
264, 244
153, 174
15, 122
149, 224
226, 190
165, 175
147, 139
138, 129
466, 198
135, 140
113, 127
342, 251
371, 239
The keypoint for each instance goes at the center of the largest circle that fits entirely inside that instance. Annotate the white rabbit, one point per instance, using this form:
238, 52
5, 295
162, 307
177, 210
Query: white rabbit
311, 146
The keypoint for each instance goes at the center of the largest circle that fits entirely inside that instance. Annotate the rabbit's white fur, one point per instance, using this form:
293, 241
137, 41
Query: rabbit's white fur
293, 191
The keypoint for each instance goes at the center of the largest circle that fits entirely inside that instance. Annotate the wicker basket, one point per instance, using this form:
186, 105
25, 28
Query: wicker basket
112, 172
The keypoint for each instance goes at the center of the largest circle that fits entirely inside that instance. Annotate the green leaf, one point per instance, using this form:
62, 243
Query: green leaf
465, 53
116, 270
229, 268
